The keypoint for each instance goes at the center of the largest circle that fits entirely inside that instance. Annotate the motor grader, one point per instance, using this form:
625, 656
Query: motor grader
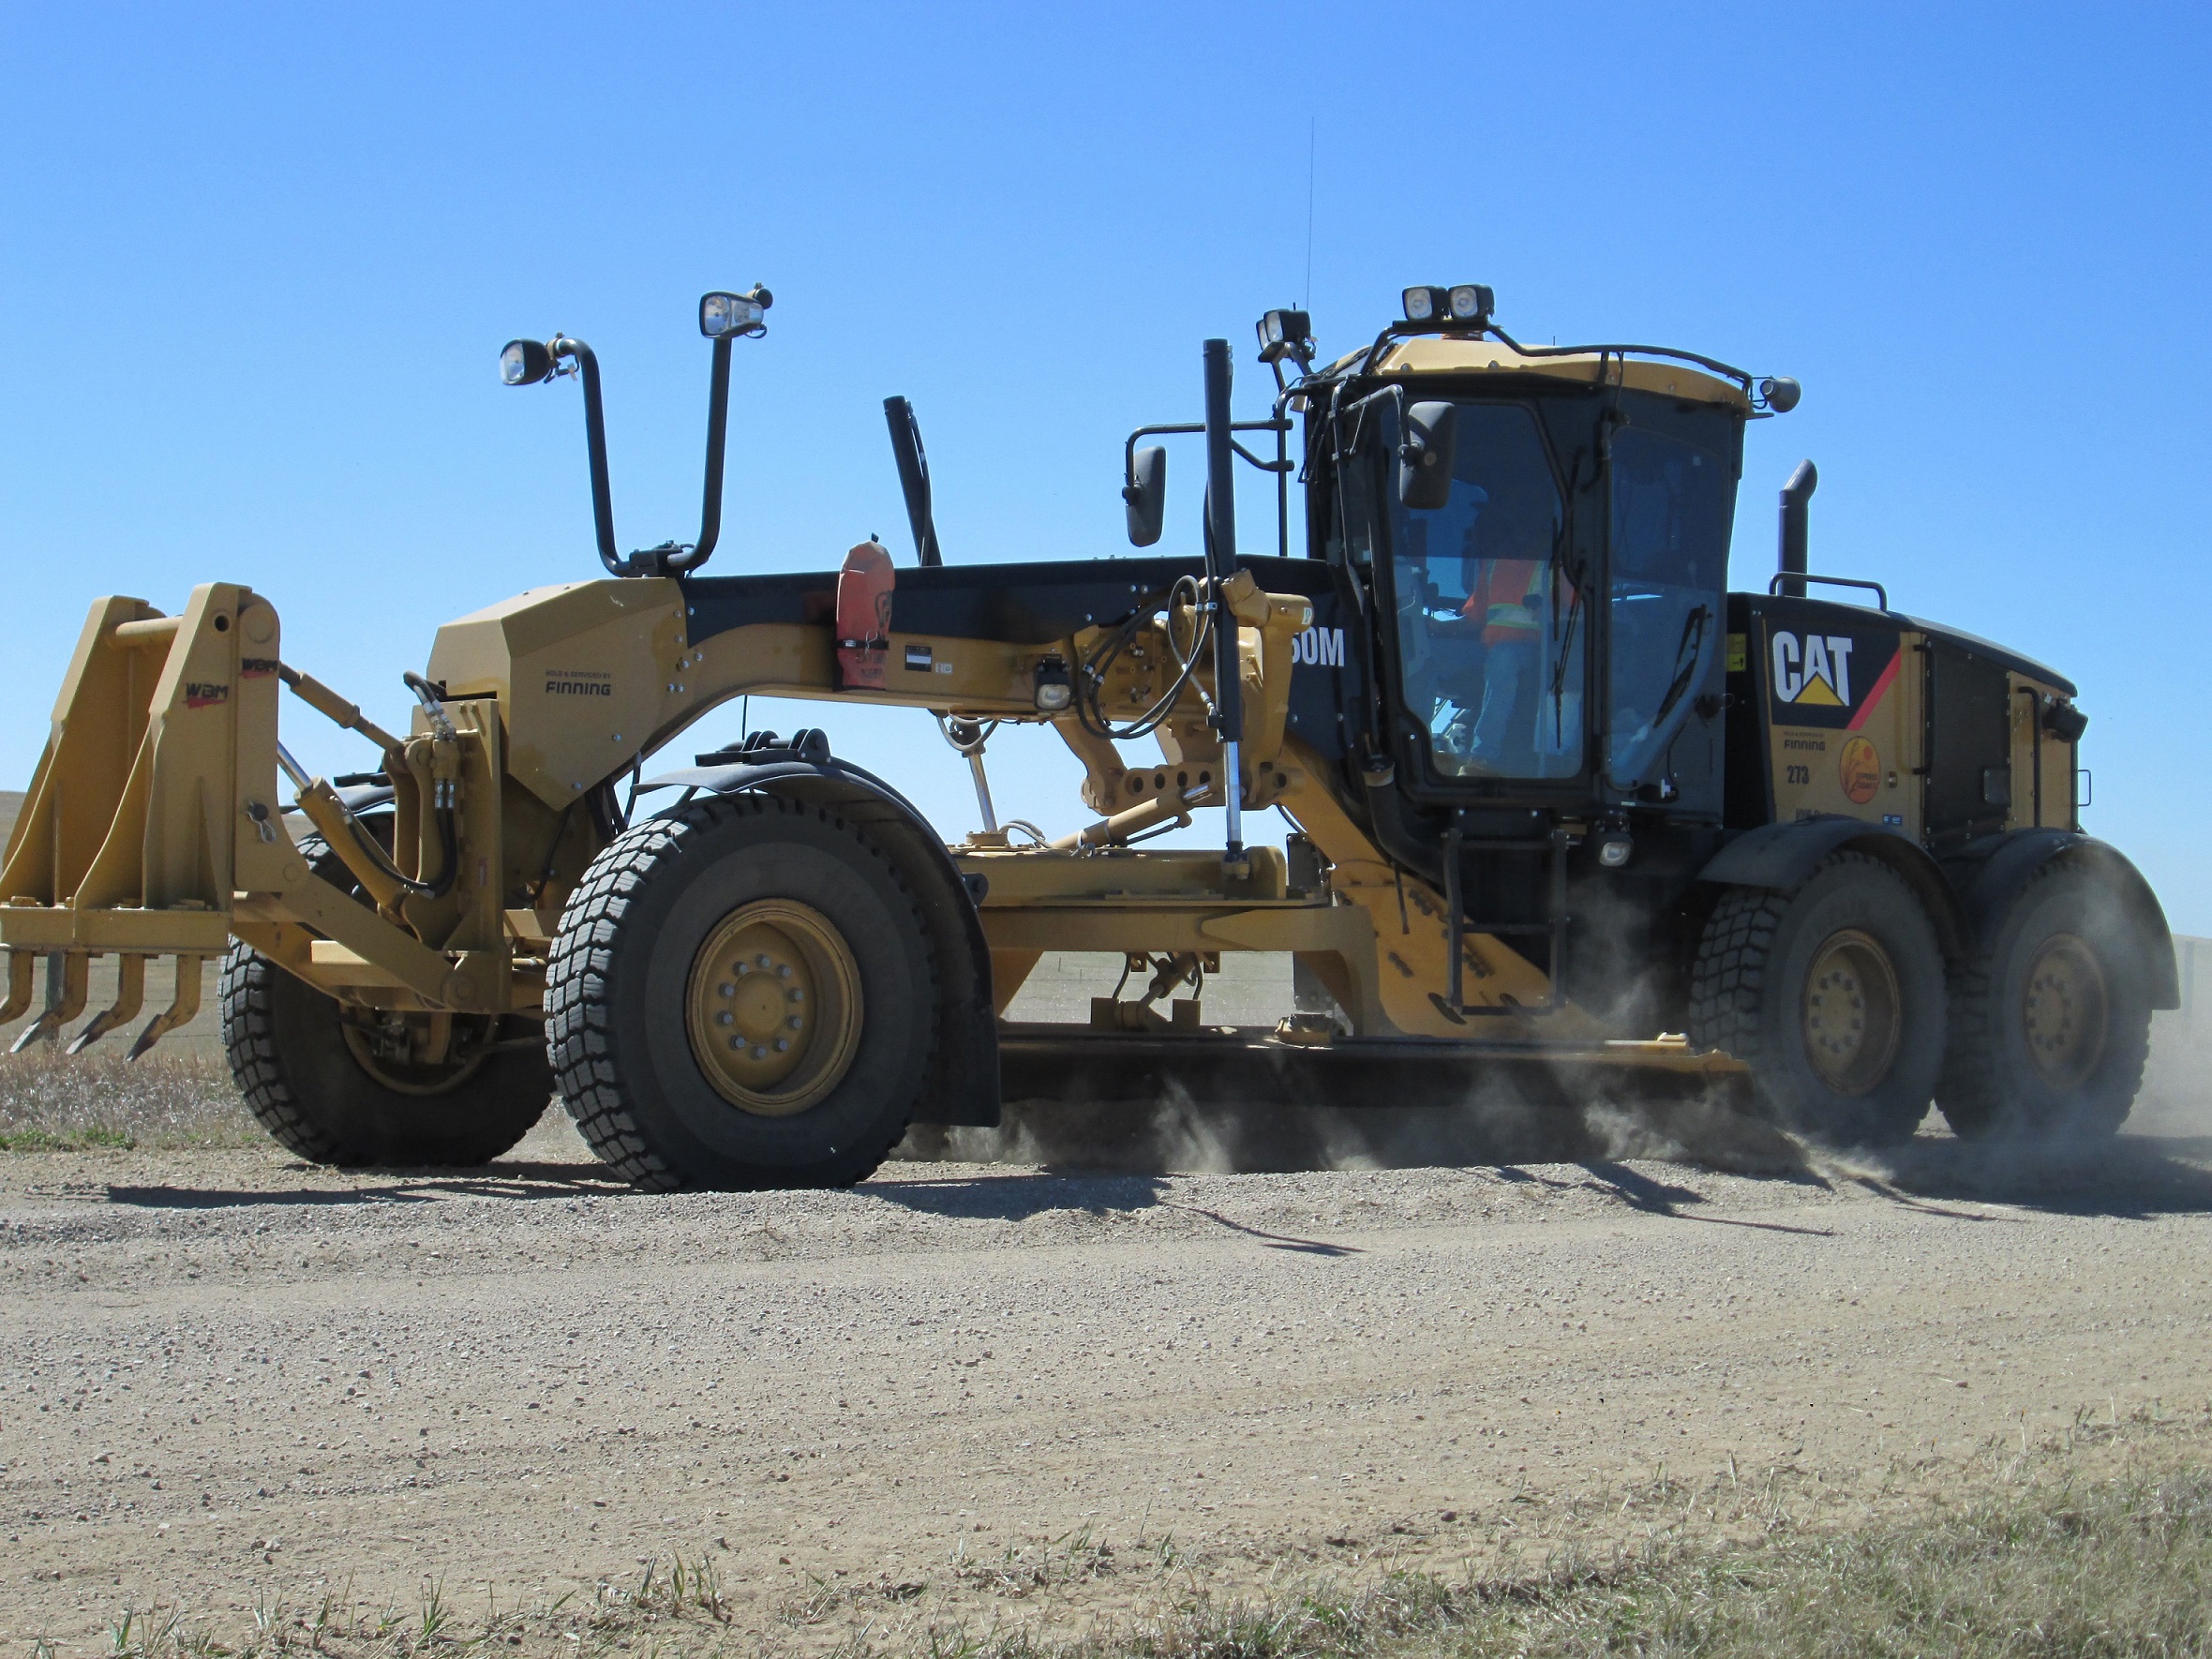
1557, 797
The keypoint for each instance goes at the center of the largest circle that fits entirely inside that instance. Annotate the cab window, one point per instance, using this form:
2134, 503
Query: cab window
1671, 509
1488, 626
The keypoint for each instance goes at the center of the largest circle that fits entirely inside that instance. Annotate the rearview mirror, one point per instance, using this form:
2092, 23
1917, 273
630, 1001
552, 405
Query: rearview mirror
1425, 456
1145, 494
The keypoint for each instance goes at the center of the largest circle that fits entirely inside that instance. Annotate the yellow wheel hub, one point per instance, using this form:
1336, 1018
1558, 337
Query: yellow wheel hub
1852, 1012
2063, 1012
773, 1007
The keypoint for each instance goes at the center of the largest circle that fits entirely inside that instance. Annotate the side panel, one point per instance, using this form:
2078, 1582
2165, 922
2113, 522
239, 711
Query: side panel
1839, 692
1970, 786
2042, 762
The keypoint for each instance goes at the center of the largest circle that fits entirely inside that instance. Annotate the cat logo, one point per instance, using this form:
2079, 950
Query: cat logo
1324, 647
1816, 672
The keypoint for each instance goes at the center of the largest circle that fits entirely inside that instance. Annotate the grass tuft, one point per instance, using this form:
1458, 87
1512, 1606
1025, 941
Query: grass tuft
54, 1103
2028, 1569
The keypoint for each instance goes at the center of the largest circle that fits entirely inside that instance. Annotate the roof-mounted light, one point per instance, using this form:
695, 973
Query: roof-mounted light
1471, 302
741, 315
1286, 333
1468, 303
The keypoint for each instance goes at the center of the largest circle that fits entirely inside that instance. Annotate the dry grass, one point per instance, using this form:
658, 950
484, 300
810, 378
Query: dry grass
2035, 1561
51, 1102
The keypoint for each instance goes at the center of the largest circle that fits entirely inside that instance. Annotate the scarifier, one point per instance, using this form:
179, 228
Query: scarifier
1559, 798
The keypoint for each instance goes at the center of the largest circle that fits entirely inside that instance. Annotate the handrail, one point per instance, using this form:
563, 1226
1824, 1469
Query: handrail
1774, 584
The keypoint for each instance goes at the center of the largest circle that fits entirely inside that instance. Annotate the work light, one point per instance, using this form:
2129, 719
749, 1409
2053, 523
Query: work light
525, 362
1423, 303
1055, 686
1469, 302
1285, 334
723, 314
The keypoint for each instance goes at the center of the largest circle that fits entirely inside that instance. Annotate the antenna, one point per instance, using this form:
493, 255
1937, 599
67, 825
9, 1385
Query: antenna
1312, 126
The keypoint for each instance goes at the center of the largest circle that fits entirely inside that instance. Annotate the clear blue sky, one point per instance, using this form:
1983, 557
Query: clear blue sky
256, 266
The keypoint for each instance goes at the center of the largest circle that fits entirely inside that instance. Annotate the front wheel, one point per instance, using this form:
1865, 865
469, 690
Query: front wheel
366, 1087
742, 995
1832, 995
2050, 1016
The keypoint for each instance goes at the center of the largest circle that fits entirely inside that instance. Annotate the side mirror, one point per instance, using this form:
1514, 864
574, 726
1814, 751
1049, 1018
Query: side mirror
1145, 494
1425, 456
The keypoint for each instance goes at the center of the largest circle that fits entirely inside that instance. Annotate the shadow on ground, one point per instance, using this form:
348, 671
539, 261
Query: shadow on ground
2128, 1177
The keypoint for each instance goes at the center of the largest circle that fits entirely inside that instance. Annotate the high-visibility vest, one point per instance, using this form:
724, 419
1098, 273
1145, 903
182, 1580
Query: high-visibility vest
1504, 599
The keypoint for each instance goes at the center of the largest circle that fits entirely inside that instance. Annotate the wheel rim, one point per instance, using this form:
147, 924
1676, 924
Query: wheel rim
1852, 1012
773, 1007
2063, 1009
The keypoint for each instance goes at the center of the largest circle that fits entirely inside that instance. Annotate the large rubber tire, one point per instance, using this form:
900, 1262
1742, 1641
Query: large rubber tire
2050, 1016
625, 968
306, 1084
1855, 926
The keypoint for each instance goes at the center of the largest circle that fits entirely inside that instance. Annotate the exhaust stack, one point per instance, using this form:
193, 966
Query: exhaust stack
1796, 497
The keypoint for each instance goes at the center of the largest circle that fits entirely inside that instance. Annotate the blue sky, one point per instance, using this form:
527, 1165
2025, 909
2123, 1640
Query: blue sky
256, 267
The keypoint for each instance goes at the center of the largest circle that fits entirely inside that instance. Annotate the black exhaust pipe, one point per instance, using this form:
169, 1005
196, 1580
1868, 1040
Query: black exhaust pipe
1797, 495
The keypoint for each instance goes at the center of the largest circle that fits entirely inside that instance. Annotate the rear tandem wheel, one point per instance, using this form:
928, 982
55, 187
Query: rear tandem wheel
2051, 1014
1832, 994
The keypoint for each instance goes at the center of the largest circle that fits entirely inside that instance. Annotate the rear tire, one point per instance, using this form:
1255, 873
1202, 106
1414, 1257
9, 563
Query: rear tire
672, 1026
1832, 995
320, 1077
2050, 1016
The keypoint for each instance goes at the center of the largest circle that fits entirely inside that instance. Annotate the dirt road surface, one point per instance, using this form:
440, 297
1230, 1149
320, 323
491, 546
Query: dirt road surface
226, 1375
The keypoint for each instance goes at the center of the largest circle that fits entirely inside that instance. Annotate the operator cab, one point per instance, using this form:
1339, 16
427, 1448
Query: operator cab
1553, 619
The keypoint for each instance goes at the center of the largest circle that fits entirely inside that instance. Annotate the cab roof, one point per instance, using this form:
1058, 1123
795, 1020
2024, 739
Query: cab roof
1633, 366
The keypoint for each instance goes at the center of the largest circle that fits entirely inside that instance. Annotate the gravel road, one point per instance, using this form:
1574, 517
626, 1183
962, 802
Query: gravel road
227, 1374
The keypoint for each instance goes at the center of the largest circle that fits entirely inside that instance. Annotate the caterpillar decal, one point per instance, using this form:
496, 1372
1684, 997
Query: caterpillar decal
1833, 680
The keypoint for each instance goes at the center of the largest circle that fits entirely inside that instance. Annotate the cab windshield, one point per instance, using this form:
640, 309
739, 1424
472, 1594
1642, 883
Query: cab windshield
1489, 626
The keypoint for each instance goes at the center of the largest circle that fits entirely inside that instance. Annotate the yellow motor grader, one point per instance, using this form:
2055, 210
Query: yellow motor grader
1558, 797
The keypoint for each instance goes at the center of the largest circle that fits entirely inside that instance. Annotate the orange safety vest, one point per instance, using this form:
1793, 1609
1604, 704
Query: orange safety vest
1500, 599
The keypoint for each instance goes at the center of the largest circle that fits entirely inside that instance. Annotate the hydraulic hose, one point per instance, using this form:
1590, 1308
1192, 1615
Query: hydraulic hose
1091, 684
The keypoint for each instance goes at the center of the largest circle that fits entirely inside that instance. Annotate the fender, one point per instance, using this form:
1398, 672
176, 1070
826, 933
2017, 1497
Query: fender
1990, 873
965, 1087
1782, 856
